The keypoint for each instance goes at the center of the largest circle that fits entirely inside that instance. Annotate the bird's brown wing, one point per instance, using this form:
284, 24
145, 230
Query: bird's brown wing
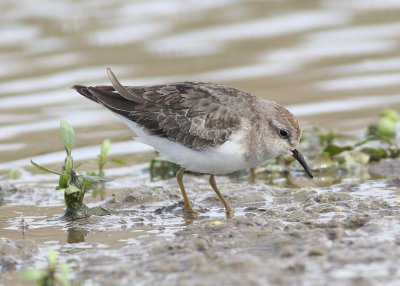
197, 115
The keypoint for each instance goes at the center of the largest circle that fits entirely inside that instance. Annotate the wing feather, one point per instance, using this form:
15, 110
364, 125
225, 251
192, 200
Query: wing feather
197, 115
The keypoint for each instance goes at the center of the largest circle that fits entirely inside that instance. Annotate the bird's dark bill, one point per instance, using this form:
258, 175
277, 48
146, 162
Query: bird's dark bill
302, 162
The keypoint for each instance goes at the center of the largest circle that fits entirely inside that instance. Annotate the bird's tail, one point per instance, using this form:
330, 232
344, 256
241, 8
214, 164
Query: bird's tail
84, 90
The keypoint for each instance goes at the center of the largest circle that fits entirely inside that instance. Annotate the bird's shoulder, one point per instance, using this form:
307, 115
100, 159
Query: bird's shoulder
188, 94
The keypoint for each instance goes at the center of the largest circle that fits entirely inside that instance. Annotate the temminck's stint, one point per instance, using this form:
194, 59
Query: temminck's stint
204, 127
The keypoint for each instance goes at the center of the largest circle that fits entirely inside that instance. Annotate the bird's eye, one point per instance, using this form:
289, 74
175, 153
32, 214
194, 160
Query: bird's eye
283, 133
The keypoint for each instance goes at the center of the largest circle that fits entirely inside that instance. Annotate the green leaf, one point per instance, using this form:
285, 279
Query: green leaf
65, 178
14, 174
52, 257
43, 169
67, 136
386, 127
95, 179
391, 114
72, 189
375, 153
32, 274
69, 164
118, 161
105, 147
333, 150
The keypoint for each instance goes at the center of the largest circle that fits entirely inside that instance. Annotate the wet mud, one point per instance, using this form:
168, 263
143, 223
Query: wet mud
345, 234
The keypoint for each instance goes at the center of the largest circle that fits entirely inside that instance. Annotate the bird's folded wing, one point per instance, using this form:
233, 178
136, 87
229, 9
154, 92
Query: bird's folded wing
197, 115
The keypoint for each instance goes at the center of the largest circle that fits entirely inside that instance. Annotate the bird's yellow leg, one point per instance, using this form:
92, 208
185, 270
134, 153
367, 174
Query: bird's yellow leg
179, 179
213, 184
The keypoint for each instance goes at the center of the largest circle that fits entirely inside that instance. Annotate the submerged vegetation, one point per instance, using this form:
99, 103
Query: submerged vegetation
379, 142
74, 186
103, 159
56, 272
161, 169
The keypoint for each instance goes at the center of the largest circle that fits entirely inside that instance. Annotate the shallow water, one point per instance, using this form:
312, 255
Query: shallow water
334, 64
328, 61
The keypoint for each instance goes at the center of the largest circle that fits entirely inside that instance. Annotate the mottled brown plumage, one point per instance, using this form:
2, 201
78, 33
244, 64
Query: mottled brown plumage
196, 114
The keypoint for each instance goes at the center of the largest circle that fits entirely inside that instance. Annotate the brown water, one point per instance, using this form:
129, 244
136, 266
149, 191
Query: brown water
333, 63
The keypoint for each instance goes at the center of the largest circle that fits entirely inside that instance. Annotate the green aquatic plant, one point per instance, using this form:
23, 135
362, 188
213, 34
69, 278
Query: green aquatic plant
74, 186
333, 152
102, 157
14, 174
56, 272
382, 135
386, 125
385, 129
101, 161
162, 169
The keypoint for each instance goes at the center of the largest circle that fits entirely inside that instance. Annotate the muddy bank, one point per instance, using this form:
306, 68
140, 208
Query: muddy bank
348, 234
345, 234
14, 252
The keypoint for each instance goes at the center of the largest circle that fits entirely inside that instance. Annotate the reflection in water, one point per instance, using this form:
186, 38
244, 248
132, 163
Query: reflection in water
306, 54
76, 235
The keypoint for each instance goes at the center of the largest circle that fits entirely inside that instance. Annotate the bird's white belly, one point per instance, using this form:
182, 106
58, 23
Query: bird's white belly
224, 159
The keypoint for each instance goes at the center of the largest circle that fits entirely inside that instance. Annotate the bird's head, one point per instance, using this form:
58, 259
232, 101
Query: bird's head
284, 128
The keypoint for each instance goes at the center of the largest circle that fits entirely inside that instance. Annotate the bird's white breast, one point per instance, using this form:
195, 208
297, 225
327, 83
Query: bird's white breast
223, 159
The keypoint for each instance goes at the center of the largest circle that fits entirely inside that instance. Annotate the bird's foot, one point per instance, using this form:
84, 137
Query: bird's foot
190, 210
229, 212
